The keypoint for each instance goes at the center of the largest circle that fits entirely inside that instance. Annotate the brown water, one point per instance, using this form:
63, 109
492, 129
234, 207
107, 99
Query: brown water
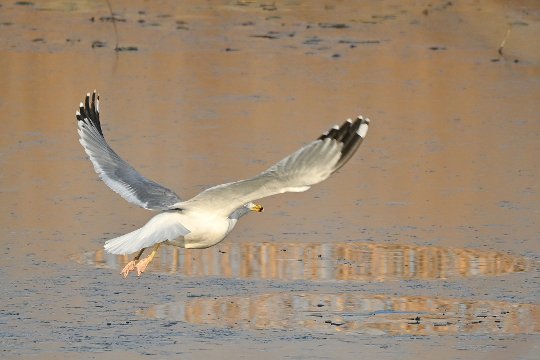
426, 242
356, 313
328, 261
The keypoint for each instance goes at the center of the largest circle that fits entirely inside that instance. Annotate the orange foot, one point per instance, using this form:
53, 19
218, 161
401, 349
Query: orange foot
141, 265
129, 267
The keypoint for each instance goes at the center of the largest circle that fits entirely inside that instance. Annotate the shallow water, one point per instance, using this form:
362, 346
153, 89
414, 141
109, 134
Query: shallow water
355, 313
426, 242
354, 261
345, 312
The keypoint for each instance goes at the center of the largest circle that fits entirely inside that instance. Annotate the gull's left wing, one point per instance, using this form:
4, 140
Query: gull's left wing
112, 169
297, 172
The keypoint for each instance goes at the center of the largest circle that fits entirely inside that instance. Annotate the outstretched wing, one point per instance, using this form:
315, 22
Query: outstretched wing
307, 166
112, 169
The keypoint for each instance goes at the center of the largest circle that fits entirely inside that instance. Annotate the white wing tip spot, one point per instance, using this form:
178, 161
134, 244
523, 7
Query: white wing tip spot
362, 130
363, 119
335, 127
81, 105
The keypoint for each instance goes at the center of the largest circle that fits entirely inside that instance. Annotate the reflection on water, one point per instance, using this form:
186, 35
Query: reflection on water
349, 312
355, 312
315, 261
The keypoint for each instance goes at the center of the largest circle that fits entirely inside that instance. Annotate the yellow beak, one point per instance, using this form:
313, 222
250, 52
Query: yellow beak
257, 208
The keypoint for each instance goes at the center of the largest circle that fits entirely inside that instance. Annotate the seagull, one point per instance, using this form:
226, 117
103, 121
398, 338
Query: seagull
206, 219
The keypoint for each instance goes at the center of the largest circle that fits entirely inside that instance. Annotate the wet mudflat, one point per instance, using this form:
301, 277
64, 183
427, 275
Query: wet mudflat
425, 243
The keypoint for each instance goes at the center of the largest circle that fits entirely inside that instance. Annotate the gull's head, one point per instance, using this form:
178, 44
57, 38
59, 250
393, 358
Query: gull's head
245, 209
254, 207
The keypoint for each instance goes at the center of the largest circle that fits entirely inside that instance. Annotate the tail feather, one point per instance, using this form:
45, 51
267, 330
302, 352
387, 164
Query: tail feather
162, 227
125, 244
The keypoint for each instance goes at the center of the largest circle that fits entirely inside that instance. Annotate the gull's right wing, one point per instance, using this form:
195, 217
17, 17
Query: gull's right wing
112, 169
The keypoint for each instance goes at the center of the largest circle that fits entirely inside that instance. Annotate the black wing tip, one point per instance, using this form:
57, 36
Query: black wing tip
89, 111
350, 134
346, 131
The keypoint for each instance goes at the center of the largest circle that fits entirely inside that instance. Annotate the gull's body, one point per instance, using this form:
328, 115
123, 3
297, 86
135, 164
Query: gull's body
209, 217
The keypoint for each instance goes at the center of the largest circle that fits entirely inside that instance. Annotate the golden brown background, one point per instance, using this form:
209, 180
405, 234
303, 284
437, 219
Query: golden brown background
427, 242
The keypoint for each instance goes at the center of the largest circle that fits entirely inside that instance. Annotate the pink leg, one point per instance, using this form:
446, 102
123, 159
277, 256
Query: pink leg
141, 265
131, 265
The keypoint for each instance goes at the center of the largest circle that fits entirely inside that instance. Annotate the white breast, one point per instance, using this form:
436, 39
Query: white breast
205, 229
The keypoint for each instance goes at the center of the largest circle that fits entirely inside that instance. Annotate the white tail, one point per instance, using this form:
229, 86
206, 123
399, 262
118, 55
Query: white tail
163, 226
125, 244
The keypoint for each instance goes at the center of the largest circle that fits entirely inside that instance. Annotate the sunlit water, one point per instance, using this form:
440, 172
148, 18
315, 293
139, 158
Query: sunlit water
219, 91
347, 312
354, 312
329, 261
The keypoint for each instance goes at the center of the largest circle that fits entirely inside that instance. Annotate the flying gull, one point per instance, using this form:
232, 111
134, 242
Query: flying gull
207, 218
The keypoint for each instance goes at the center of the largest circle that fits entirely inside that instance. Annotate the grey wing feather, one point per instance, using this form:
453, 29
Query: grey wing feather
297, 172
112, 169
